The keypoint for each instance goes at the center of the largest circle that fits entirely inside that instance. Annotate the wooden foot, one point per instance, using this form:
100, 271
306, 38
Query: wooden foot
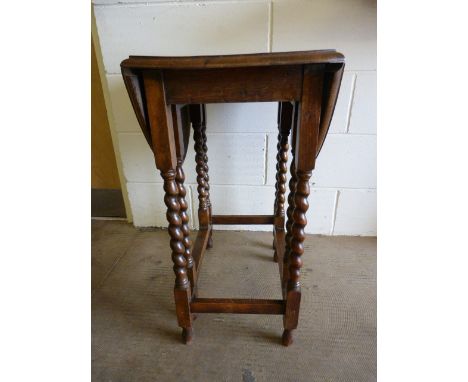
287, 338
274, 245
187, 335
275, 257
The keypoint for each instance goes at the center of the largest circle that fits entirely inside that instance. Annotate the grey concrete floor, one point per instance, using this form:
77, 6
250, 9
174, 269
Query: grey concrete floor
135, 336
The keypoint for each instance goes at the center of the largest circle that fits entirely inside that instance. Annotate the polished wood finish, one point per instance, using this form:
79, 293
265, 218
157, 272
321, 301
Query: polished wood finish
279, 240
305, 149
181, 124
243, 219
169, 94
180, 178
237, 305
182, 283
134, 84
199, 247
290, 210
198, 118
253, 84
285, 119
197, 115
328, 56
160, 121
164, 149
284, 127
306, 139
331, 87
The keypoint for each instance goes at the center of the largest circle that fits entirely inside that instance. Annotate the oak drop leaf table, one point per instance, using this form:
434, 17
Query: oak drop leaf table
168, 95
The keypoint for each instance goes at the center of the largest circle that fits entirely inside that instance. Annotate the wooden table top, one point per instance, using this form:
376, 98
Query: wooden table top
329, 56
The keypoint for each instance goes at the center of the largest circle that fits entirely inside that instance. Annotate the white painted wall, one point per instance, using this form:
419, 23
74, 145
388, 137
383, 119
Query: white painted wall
242, 137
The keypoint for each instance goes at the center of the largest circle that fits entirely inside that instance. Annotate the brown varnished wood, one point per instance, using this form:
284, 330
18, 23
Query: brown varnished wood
235, 61
333, 64
251, 84
331, 88
179, 124
186, 125
160, 121
243, 219
290, 210
206, 169
165, 152
237, 305
279, 238
178, 132
287, 338
306, 84
164, 148
180, 178
182, 299
293, 295
182, 283
134, 84
285, 118
187, 335
306, 145
199, 247
305, 151
198, 119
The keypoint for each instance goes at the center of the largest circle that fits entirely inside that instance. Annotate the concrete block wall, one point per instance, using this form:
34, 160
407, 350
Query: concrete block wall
242, 137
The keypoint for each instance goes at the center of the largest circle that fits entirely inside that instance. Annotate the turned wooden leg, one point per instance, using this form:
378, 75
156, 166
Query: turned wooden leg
287, 338
305, 148
187, 335
164, 142
289, 224
290, 210
297, 249
294, 296
285, 113
180, 178
181, 127
182, 292
198, 118
207, 177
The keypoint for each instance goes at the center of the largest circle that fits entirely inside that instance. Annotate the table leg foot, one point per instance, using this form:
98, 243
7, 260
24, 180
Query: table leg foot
187, 335
287, 338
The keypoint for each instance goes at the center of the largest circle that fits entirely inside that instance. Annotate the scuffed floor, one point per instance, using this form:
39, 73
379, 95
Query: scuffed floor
135, 336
